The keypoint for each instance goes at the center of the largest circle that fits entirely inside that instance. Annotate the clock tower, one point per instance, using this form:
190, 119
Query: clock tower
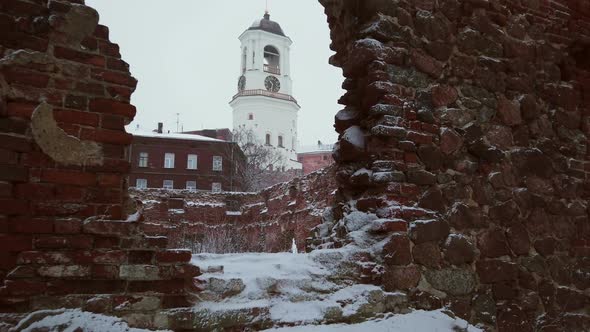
264, 103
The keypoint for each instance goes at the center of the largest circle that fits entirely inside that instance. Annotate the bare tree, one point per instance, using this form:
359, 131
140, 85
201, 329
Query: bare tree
263, 165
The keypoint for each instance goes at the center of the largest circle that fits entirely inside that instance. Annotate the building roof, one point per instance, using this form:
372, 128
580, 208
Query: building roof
189, 137
265, 24
317, 148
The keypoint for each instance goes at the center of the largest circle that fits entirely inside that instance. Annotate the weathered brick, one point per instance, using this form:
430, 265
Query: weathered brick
106, 136
13, 173
139, 272
101, 32
109, 49
67, 226
15, 75
30, 225
63, 242
14, 242
174, 256
109, 106
5, 189
174, 286
68, 177
64, 271
15, 142
14, 207
77, 56
114, 77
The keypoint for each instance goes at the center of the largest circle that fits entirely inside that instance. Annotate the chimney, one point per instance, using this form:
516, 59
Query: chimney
319, 144
160, 127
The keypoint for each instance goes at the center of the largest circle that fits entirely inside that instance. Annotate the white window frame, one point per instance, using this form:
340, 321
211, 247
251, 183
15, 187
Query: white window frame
168, 184
189, 161
169, 160
143, 159
191, 185
141, 183
218, 163
216, 187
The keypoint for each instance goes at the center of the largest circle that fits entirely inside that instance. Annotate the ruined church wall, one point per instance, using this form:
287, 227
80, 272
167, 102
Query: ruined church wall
465, 131
65, 240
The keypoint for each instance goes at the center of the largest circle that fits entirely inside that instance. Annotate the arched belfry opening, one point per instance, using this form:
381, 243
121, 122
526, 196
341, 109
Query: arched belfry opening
272, 60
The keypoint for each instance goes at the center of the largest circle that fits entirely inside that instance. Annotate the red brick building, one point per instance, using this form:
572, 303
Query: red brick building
315, 157
184, 161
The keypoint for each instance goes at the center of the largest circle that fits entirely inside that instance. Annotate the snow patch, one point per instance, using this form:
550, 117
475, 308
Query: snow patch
71, 320
415, 321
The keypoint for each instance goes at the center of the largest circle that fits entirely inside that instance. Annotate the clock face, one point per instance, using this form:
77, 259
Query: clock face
242, 83
272, 84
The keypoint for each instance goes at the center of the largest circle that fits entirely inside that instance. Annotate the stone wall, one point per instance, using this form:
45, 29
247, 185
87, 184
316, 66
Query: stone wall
464, 133
65, 239
266, 221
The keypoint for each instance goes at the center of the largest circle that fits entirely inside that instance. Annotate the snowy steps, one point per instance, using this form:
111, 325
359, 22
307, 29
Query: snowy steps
257, 291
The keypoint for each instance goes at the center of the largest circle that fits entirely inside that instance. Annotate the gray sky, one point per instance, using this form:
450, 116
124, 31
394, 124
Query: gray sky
186, 56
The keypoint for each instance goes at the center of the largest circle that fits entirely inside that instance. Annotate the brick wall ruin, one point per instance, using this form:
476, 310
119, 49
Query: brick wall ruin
464, 135
65, 239
266, 221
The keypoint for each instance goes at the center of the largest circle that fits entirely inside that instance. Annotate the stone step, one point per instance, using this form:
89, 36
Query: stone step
348, 305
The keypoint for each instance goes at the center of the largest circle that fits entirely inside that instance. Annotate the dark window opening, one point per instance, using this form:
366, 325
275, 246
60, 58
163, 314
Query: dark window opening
272, 60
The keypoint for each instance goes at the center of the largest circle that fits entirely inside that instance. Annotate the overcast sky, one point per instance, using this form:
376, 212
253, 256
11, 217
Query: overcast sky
186, 56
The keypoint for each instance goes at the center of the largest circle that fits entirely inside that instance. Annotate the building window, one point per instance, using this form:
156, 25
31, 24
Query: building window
143, 159
168, 184
217, 163
251, 116
191, 185
325, 157
267, 142
281, 141
141, 183
271, 60
244, 59
169, 160
191, 161
216, 187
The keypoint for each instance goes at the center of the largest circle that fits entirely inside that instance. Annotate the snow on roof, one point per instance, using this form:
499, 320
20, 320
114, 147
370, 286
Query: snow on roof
316, 148
189, 137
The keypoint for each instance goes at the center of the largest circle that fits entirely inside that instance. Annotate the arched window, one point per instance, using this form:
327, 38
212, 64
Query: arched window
251, 116
272, 60
281, 141
267, 139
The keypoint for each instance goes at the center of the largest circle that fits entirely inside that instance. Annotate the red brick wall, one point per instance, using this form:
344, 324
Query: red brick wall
240, 222
465, 130
315, 160
204, 175
64, 101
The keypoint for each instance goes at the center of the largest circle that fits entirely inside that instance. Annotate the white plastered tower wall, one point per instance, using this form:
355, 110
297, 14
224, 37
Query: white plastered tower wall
258, 108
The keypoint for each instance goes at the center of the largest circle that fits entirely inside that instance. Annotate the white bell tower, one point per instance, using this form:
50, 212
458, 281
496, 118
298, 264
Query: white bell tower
264, 101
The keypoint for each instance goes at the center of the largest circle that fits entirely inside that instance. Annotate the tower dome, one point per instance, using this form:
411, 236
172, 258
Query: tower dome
265, 24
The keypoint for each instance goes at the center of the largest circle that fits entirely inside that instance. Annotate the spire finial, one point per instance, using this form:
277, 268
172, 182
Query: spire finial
266, 14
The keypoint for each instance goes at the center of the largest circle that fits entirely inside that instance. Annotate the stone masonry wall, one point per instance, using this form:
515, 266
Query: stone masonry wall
65, 239
465, 136
266, 221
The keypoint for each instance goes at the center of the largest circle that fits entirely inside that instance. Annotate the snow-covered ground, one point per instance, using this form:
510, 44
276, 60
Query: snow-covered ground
416, 321
299, 289
292, 292
72, 320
